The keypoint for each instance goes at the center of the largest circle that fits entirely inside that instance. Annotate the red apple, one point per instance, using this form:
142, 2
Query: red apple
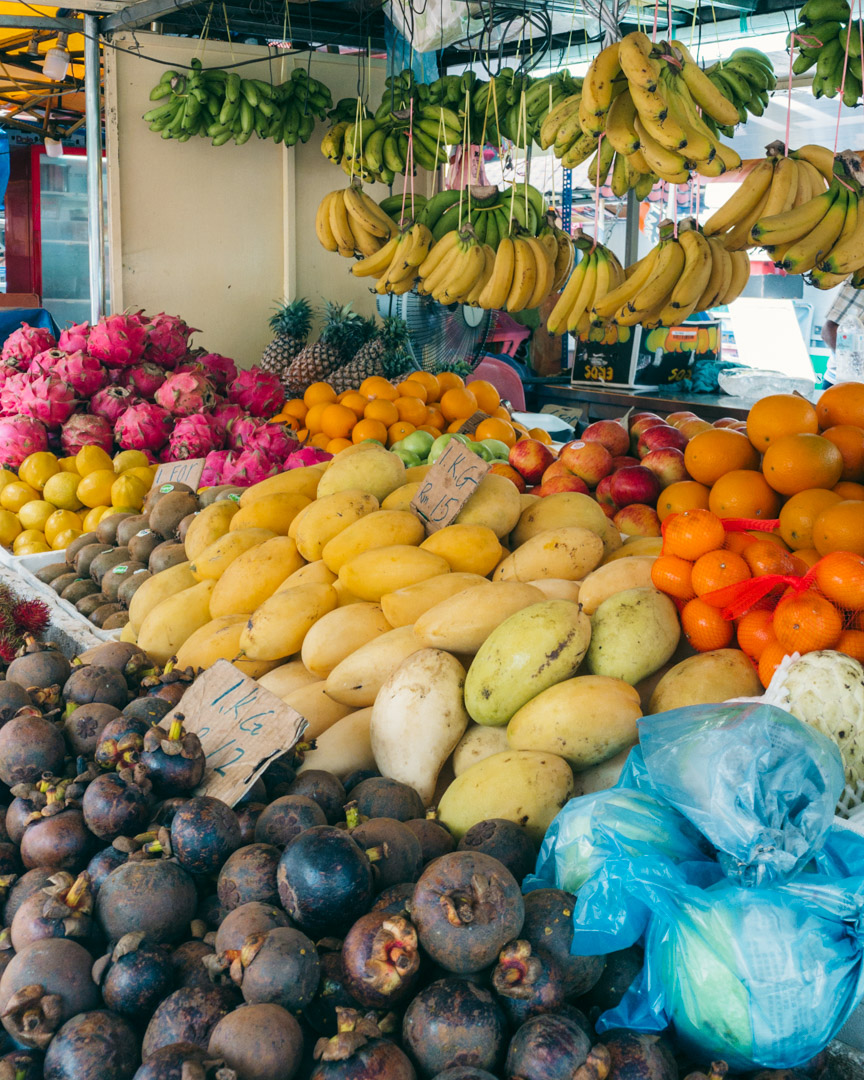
637, 519
635, 484
603, 494
561, 483
643, 425
623, 462
635, 417
530, 458
740, 425
678, 418
609, 511
589, 460
667, 464
557, 468
610, 433
694, 427
656, 438
726, 421
501, 468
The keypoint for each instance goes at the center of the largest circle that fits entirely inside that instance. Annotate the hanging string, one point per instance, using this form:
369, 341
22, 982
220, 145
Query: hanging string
597, 209
409, 167
842, 84
204, 35
228, 31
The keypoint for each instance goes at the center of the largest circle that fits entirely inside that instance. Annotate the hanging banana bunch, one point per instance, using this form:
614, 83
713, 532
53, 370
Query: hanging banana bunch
351, 222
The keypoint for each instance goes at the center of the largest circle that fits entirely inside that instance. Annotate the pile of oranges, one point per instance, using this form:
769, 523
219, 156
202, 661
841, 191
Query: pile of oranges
380, 410
826, 611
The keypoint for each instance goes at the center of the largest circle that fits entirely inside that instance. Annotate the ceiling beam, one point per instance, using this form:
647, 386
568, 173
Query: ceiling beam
40, 22
141, 13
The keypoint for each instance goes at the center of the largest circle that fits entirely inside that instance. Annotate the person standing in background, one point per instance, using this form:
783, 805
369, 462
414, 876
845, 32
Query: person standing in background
849, 304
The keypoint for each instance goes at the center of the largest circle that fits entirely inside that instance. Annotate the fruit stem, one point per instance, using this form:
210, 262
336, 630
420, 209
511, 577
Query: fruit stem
175, 732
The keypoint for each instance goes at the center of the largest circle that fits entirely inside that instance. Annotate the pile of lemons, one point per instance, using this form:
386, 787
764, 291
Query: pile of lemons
52, 500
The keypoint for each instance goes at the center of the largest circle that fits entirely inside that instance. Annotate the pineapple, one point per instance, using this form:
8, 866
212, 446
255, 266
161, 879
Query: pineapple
343, 332
386, 354
290, 324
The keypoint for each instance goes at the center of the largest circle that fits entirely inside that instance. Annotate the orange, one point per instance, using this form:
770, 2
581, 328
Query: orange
412, 410
335, 445
712, 453
383, 410
797, 462
847, 490
842, 403
704, 626
433, 431
771, 537
493, 428
449, 380
320, 440
296, 407
501, 468
455, 425
799, 514
318, 392
770, 660
355, 402
540, 434
369, 429
458, 404
337, 420
807, 622
376, 386
671, 575
398, 431
692, 534
716, 570
427, 379
743, 493
501, 412
756, 632
840, 577
738, 542
435, 417
777, 415
849, 440
315, 417
412, 388
840, 528
303, 435
763, 557
808, 556
693, 427
851, 642
681, 496
488, 398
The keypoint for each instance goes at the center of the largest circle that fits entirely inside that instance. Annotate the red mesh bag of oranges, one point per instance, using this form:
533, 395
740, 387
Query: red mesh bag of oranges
735, 582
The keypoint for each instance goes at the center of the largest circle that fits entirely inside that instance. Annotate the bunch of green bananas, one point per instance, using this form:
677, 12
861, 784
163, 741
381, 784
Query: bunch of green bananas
825, 32
493, 214
392, 205
221, 105
746, 79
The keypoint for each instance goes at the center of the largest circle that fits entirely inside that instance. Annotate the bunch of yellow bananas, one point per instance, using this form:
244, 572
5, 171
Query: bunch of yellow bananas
349, 221
776, 185
596, 274
396, 264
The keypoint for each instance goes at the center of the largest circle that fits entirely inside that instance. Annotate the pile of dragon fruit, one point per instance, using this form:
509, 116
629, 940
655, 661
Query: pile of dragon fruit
135, 381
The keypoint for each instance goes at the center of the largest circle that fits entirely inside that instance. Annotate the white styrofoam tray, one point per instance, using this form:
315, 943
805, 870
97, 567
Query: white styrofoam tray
27, 565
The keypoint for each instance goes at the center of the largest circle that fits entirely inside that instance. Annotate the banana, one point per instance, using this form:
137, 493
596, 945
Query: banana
731, 158
606, 306
322, 223
340, 225
638, 164
619, 124
700, 143
599, 165
568, 131
563, 259
793, 224
437, 253
645, 184
497, 289
545, 272
668, 164
667, 131
399, 267
373, 149
377, 264
620, 182
808, 250
331, 144
740, 277
524, 275
714, 167
803, 191
556, 117
649, 103
634, 55
597, 89
816, 179
738, 238
580, 151
367, 212
579, 314
364, 241
721, 261
820, 157
470, 267
784, 187
847, 254
704, 92
473, 297
670, 263
821, 279
556, 322
697, 270
755, 185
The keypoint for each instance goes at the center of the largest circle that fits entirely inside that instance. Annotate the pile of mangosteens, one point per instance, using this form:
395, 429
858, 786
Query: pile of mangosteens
325, 928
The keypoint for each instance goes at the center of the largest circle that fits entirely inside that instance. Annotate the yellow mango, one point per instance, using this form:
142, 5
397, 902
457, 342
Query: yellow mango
359, 677
313, 573
320, 711
564, 509
462, 623
215, 559
219, 639
372, 574
340, 633
375, 471
293, 482
254, 576
383, 528
495, 504
344, 747
274, 512
170, 623
345, 596
555, 588
405, 606
289, 676
327, 517
568, 553
277, 628
400, 499
468, 549
416, 473
642, 545
156, 589
612, 578
208, 525
476, 744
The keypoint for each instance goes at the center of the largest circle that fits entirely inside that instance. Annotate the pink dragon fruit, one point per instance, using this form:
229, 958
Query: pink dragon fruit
240, 431
84, 373
10, 394
20, 436
190, 365
273, 440
185, 394
25, 343
193, 437
144, 380
117, 340
224, 414
83, 429
214, 466
258, 391
249, 467
111, 402
306, 455
143, 427
220, 370
47, 398
74, 338
167, 340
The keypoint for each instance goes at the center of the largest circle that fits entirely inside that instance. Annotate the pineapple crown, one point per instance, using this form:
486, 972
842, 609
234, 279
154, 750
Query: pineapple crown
397, 358
344, 329
293, 319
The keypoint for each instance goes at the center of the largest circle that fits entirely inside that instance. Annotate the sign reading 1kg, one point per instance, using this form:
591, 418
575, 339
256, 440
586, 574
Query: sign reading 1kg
448, 485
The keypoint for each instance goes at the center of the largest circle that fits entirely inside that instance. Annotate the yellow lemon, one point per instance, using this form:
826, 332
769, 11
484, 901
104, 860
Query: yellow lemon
37, 547
130, 459
129, 490
143, 473
94, 516
59, 522
95, 488
36, 468
10, 527
69, 464
123, 509
64, 539
92, 459
61, 489
35, 513
7, 477
13, 496
28, 536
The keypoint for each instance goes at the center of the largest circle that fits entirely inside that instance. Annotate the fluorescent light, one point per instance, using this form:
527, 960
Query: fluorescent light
57, 60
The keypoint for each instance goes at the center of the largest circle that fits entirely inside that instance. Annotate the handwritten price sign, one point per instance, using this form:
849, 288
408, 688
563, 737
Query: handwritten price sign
242, 728
180, 472
448, 485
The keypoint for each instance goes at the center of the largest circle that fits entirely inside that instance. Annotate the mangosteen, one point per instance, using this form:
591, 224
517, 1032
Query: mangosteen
149, 709
102, 863
381, 959
117, 803
466, 907
10, 863
434, 839
279, 966
167, 1063
279, 776
210, 911
323, 788
248, 919
359, 1052
91, 683
187, 963
286, 818
453, 1022
135, 977
30, 745
93, 1046
393, 850
86, 724
356, 777
528, 981
204, 832
553, 1047
188, 1015
174, 758
396, 900
260, 1042
30, 884
61, 909
332, 993
20, 810
325, 880
132, 663
464, 1072
249, 874
634, 1054
247, 819
58, 837
41, 664
22, 1065
549, 925
620, 969
381, 797
156, 897
13, 697
121, 741
44, 985
505, 841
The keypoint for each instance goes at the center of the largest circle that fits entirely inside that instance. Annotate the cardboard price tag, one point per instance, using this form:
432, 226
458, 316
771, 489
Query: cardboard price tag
469, 427
180, 472
242, 728
449, 484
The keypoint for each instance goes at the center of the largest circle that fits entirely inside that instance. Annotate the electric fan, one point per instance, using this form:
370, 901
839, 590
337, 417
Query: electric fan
440, 336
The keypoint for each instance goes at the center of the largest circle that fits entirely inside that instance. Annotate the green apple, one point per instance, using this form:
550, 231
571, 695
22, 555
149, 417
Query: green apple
481, 451
419, 443
500, 451
408, 458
